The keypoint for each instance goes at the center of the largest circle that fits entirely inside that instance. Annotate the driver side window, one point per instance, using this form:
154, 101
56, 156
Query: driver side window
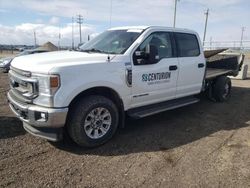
156, 47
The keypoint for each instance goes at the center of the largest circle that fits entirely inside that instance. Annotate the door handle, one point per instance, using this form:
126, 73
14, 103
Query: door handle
201, 65
173, 67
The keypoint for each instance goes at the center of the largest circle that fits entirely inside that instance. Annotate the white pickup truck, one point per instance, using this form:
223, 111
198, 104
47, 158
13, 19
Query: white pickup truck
127, 71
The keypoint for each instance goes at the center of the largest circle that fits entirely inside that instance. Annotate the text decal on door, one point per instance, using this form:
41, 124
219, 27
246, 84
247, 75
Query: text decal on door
156, 78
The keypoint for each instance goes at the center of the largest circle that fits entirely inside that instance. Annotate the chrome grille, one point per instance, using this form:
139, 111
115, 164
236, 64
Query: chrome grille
23, 87
21, 72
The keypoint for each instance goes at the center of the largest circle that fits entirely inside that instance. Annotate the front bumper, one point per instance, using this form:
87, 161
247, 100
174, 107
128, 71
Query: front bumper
40, 121
52, 134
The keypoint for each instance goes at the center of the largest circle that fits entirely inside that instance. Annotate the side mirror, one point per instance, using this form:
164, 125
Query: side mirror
149, 56
140, 55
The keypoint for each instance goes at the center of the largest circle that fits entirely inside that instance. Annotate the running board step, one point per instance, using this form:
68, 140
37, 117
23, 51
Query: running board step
161, 107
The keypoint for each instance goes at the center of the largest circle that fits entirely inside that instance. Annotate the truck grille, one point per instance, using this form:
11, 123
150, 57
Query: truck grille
23, 87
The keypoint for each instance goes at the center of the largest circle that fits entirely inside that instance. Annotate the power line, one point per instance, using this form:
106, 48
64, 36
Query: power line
79, 20
205, 30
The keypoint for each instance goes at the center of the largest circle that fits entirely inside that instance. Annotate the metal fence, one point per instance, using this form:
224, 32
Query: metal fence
237, 45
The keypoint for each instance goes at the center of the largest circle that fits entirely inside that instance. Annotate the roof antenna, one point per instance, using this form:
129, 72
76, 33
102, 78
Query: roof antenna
110, 19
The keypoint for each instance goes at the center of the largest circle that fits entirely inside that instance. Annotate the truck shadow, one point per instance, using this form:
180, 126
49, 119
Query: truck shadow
175, 128
10, 127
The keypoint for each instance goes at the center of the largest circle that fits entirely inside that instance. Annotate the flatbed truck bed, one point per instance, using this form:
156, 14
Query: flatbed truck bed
213, 72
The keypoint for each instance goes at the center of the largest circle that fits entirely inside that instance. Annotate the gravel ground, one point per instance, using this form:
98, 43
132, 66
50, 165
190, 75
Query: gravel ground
203, 145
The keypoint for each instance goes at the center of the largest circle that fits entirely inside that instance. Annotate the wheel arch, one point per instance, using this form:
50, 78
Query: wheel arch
106, 92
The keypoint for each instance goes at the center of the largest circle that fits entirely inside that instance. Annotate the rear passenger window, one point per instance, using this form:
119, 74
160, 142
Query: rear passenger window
187, 45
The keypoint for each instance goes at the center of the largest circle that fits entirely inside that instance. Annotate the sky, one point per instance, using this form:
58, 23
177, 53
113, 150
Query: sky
20, 18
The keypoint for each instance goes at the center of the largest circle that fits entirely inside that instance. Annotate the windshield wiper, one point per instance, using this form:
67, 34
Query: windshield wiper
98, 51
93, 50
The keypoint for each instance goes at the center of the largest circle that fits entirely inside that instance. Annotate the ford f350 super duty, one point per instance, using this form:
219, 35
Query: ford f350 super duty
127, 71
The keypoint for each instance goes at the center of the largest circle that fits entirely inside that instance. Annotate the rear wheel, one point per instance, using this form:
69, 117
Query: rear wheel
93, 121
222, 89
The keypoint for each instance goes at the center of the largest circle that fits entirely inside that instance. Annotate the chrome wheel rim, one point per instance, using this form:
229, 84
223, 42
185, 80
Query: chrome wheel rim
97, 123
226, 90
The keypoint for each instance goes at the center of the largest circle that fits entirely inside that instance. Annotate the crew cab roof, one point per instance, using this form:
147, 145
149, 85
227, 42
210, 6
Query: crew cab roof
153, 27
129, 27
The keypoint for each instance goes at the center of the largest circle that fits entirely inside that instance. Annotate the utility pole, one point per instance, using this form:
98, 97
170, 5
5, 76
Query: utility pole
79, 20
35, 37
205, 31
211, 43
175, 7
241, 38
110, 13
73, 33
59, 38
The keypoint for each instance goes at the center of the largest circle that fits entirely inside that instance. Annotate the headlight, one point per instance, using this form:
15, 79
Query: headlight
47, 87
48, 84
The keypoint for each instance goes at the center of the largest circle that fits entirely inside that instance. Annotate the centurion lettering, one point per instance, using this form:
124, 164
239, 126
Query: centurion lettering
156, 76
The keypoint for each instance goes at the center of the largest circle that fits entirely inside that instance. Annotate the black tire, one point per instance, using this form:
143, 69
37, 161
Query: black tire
78, 115
222, 89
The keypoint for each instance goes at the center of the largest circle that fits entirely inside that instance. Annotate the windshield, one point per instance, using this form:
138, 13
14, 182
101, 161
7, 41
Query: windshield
112, 41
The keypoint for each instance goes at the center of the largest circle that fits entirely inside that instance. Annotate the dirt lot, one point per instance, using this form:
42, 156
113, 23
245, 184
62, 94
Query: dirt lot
203, 145
6, 53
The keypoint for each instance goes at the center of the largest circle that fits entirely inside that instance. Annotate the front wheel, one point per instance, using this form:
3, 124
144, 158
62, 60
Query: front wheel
93, 121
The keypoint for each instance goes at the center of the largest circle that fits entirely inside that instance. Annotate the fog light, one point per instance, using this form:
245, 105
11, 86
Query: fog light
41, 116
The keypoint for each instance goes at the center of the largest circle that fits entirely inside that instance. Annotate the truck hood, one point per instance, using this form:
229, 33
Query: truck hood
44, 62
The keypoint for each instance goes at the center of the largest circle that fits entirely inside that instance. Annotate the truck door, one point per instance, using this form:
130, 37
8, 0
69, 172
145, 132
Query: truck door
191, 64
154, 71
